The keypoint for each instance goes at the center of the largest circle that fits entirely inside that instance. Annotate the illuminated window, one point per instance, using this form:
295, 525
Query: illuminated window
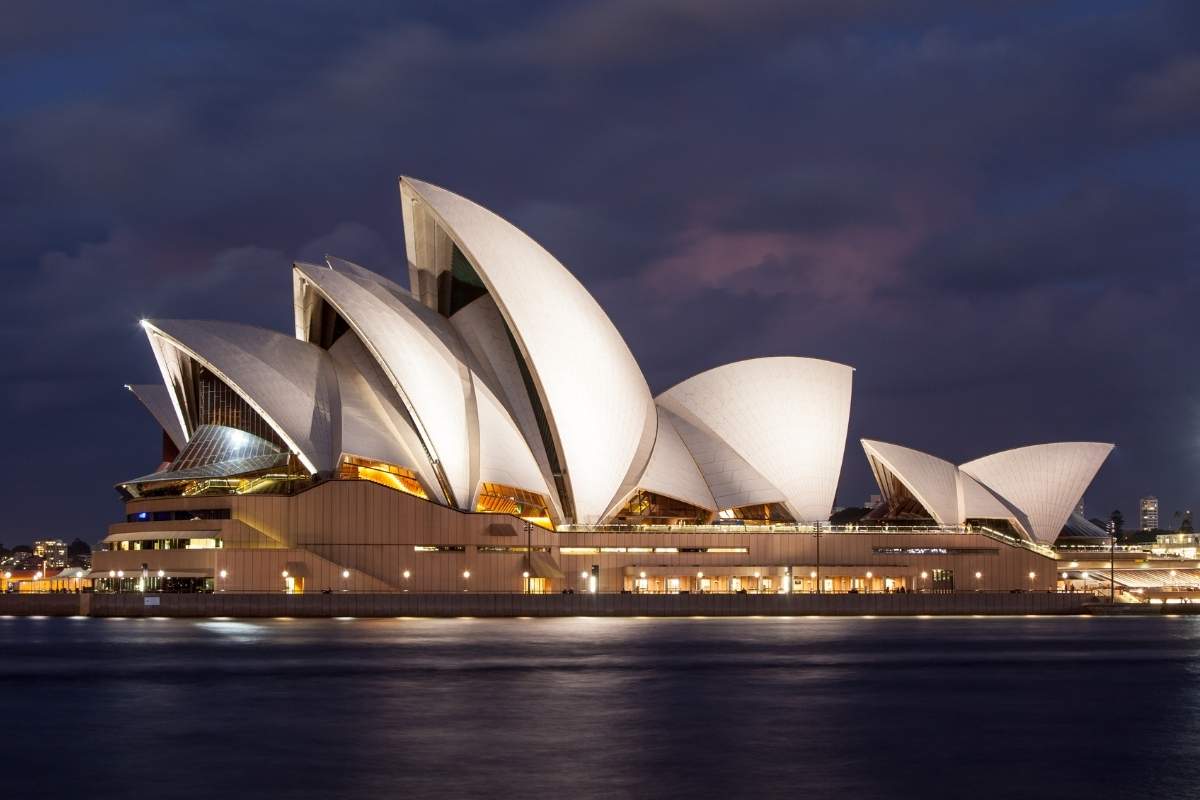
400, 478
496, 498
439, 548
579, 551
648, 508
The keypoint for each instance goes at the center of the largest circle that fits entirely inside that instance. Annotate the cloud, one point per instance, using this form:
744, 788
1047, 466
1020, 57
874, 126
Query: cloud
1165, 97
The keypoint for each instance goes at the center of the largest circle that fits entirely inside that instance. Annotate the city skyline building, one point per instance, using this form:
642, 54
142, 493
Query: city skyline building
1148, 513
53, 552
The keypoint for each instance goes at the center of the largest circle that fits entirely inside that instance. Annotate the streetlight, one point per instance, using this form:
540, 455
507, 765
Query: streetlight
528, 553
1032, 575
813, 576
978, 575
345, 573
869, 576
924, 576
407, 574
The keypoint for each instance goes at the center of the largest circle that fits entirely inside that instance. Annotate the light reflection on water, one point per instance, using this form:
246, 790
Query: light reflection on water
581, 707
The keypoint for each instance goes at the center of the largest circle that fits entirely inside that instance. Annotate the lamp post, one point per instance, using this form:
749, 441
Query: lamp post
817, 536
1112, 569
924, 575
528, 553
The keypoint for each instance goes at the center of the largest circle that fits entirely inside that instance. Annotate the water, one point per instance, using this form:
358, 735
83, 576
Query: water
571, 708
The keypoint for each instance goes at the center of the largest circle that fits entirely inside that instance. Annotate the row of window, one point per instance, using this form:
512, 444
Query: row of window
935, 551
590, 551
166, 544
177, 516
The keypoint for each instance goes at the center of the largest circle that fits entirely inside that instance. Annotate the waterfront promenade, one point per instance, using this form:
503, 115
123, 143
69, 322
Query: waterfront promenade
471, 604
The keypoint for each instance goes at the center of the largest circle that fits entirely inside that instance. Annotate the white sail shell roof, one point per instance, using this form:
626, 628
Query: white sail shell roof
597, 403
503, 456
291, 384
157, 400
731, 480
931, 480
979, 502
423, 369
787, 417
672, 470
374, 423
1043, 481
482, 330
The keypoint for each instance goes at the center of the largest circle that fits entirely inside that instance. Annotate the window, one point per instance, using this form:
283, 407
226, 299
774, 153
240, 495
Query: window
439, 548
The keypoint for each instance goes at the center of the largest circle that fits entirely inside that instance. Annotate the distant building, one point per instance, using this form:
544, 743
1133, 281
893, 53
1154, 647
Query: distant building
1180, 545
1149, 513
52, 551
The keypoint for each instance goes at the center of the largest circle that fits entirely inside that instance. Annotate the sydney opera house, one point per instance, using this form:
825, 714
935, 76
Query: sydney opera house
487, 429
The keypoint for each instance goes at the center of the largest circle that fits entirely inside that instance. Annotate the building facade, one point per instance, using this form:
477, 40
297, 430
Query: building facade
1148, 513
489, 430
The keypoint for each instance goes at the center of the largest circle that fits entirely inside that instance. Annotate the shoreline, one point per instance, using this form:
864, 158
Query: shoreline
562, 605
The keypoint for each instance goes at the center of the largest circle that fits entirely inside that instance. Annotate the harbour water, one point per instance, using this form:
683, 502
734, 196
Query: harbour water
587, 707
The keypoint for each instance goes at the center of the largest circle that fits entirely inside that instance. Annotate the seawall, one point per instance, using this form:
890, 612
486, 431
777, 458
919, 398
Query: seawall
545, 605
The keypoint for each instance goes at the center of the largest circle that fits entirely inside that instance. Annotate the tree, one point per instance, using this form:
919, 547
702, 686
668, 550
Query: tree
1186, 525
79, 548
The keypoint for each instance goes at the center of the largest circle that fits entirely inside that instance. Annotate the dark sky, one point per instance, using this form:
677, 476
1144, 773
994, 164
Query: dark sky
989, 209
